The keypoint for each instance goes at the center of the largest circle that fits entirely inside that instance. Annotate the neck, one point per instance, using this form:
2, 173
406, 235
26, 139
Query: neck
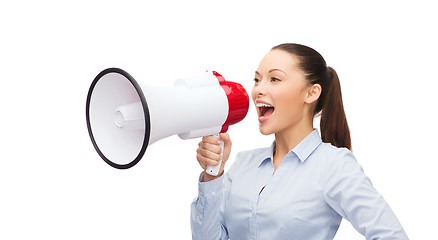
288, 139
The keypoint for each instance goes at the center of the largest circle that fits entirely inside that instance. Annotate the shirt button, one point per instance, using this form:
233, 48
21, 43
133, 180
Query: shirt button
201, 193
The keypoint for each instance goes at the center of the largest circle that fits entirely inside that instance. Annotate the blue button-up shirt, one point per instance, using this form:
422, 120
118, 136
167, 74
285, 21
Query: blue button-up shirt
315, 186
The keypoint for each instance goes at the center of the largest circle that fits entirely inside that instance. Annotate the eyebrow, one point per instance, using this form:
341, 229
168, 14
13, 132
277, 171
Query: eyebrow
272, 70
275, 69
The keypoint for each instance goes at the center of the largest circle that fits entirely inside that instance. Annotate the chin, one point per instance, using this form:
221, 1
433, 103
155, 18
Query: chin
265, 130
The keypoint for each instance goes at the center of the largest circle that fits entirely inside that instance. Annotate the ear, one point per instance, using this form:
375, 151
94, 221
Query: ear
313, 93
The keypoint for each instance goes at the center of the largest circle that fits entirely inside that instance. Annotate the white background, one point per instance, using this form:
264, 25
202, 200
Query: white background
53, 185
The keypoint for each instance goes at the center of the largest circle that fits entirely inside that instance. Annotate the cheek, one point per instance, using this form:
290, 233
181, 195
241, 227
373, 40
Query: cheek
290, 101
253, 94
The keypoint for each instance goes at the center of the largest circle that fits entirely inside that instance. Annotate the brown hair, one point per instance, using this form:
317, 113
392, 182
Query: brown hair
333, 124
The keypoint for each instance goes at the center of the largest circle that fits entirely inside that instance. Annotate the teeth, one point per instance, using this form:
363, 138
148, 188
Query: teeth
263, 105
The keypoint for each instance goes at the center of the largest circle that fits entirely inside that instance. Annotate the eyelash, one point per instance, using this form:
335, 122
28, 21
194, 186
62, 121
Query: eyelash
273, 79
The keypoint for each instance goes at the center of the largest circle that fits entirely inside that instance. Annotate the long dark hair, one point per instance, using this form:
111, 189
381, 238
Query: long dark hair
333, 124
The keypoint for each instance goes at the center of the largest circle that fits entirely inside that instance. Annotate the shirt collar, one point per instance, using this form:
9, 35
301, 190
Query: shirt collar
267, 154
307, 145
302, 150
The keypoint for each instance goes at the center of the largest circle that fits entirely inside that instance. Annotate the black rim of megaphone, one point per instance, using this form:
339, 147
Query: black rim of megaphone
146, 117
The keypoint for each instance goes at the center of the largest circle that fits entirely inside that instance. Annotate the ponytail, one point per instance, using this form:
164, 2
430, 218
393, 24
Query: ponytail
333, 124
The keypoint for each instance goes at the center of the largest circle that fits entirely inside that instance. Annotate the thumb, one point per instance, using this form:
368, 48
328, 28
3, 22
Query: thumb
227, 146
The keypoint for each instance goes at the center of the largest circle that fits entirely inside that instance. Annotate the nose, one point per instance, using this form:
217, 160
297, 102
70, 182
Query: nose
259, 89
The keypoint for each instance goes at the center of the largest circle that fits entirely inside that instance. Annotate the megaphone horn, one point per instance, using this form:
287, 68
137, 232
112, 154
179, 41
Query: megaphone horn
123, 119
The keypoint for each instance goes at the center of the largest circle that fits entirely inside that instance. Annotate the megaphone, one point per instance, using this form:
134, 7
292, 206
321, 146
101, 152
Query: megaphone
124, 118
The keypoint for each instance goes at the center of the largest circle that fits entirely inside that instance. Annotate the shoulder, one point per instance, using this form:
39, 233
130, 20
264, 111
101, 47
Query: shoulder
338, 163
331, 154
254, 152
332, 160
253, 156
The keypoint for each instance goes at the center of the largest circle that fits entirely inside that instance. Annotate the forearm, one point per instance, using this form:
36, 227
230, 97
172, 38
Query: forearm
206, 216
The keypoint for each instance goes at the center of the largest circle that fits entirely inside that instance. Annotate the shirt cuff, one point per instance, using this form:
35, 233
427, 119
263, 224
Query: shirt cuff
211, 188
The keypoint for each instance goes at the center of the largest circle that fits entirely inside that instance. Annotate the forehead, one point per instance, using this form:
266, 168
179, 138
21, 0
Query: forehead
279, 59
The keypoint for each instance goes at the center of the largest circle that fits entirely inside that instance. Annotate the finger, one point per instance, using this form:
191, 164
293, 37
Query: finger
211, 139
211, 147
227, 146
203, 161
226, 138
209, 154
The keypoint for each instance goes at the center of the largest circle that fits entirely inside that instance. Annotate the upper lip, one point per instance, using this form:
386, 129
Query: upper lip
260, 103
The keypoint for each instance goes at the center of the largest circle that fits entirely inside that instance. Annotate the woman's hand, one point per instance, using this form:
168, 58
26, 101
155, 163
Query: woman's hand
209, 153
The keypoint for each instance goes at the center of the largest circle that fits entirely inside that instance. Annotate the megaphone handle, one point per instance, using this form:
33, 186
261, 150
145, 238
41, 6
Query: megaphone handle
214, 170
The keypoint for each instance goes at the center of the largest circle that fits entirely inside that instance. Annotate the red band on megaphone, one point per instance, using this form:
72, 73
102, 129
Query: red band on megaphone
238, 101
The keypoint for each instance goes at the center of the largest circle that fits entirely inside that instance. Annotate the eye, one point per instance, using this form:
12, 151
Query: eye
256, 80
274, 79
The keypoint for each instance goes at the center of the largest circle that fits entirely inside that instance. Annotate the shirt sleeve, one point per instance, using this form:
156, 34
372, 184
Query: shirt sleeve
350, 193
208, 208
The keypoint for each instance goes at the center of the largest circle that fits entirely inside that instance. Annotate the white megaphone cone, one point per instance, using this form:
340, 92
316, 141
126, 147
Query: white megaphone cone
123, 119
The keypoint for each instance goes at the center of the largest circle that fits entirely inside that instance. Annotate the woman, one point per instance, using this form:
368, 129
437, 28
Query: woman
303, 185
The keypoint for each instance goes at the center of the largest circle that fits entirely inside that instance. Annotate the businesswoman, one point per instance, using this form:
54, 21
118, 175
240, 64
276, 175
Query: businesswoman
305, 182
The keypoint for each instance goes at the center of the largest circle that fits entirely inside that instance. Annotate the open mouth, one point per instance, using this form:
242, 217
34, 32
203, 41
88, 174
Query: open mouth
264, 110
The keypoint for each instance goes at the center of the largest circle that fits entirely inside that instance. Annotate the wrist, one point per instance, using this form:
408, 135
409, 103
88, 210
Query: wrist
207, 177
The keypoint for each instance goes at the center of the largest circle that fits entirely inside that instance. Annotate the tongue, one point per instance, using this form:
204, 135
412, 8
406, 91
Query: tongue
268, 112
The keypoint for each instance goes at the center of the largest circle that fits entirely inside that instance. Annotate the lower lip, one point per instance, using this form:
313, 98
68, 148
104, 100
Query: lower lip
264, 119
